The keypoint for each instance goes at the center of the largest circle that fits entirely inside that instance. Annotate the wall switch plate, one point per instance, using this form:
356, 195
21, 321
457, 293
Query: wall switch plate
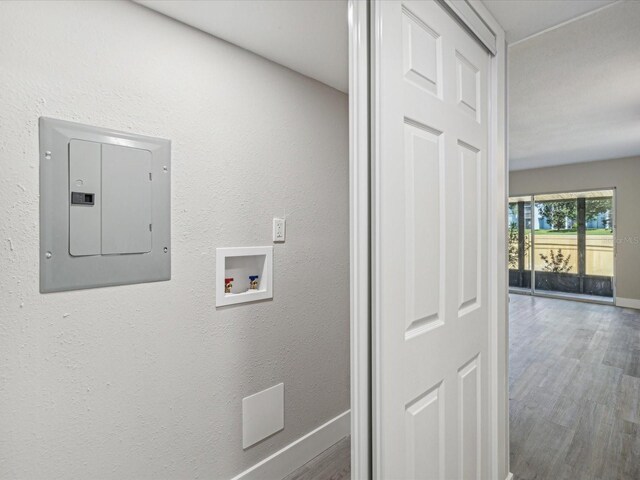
279, 229
262, 415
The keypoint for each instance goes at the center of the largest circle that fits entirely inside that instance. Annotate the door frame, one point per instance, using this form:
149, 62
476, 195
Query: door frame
359, 238
362, 165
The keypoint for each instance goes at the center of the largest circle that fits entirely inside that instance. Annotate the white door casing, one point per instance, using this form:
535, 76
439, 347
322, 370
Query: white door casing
431, 310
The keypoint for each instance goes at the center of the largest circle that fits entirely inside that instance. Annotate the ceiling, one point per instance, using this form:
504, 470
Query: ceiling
573, 91
573, 64
310, 36
524, 18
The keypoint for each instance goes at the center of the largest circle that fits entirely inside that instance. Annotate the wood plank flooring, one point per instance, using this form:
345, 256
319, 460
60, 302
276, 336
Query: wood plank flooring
332, 464
575, 395
575, 390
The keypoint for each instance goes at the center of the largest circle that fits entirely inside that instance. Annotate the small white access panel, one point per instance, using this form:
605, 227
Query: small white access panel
262, 415
104, 207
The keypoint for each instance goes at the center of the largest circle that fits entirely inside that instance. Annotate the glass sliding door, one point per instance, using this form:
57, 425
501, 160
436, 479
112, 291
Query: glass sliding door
520, 254
556, 243
563, 244
599, 245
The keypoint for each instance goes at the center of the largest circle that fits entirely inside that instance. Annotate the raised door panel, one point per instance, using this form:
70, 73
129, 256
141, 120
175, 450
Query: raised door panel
425, 439
421, 53
424, 173
469, 420
471, 202
468, 86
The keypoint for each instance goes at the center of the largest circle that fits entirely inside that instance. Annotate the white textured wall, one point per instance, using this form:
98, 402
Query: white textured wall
573, 91
146, 381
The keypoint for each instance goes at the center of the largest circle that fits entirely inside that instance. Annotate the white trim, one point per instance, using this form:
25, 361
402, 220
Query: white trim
359, 236
472, 21
627, 303
498, 286
577, 297
375, 96
562, 24
509, 477
296, 454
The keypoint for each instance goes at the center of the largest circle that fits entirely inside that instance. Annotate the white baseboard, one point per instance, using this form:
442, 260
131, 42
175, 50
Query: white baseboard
296, 454
628, 303
510, 476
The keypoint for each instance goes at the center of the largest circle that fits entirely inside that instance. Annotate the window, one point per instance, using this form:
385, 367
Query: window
520, 242
570, 240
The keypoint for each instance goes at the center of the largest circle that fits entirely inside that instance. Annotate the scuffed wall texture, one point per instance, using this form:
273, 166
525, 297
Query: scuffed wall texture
146, 381
624, 175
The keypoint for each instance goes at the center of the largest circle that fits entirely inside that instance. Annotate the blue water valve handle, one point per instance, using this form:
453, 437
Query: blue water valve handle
253, 277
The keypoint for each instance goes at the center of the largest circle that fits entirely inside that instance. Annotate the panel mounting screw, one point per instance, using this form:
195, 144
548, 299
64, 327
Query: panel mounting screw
165, 169
48, 255
166, 249
47, 155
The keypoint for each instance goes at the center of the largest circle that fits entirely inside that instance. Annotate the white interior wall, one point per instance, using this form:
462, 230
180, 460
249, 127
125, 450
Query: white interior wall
573, 92
146, 381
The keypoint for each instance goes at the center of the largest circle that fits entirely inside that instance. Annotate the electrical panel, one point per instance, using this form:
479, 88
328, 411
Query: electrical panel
104, 207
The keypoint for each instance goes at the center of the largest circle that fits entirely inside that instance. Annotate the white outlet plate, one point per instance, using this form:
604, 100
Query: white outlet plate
279, 229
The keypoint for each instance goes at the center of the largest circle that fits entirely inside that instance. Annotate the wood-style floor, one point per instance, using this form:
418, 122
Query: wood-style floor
332, 464
575, 395
575, 390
